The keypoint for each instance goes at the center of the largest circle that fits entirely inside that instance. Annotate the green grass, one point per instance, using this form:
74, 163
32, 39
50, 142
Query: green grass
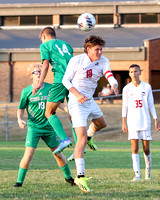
110, 168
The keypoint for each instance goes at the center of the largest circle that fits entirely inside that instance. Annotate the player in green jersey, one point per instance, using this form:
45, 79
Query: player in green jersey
57, 53
38, 126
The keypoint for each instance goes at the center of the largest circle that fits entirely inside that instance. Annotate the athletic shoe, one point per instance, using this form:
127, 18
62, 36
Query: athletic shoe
64, 143
82, 184
91, 144
148, 176
18, 185
136, 179
71, 157
71, 181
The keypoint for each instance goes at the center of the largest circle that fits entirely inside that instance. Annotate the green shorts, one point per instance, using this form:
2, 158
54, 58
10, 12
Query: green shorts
57, 93
47, 135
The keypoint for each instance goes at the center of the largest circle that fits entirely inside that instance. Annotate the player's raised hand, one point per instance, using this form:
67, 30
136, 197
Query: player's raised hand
115, 89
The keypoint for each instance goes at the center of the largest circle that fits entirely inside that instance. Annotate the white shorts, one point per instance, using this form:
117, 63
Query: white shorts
141, 135
81, 112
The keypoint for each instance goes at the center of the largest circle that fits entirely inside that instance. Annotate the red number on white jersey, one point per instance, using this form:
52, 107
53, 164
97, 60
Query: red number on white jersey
139, 103
89, 73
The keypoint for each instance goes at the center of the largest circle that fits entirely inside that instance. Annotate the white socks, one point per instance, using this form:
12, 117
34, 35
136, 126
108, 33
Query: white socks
136, 167
148, 161
91, 132
80, 166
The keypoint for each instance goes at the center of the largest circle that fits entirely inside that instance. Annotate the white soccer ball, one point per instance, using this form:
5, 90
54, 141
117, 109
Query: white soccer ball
86, 21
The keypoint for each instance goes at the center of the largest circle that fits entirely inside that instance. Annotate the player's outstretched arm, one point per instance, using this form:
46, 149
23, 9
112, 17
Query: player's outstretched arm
124, 125
21, 122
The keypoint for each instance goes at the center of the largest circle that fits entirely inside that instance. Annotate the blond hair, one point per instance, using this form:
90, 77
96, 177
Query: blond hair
32, 67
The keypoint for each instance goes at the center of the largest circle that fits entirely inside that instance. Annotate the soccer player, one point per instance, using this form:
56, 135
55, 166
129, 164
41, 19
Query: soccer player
57, 53
38, 126
137, 100
83, 72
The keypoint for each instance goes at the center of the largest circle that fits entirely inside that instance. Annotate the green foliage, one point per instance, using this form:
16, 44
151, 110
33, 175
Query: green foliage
110, 168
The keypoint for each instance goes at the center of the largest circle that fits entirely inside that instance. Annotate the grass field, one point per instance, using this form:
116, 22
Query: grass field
110, 168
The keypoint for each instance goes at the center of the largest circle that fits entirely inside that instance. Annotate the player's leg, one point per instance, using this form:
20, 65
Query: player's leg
24, 165
31, 143
95, 126
135, 159
62, 163
97, 123
80, 180
51, 108
52, 141
147, 158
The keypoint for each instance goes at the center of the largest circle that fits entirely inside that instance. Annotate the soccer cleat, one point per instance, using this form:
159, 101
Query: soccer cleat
148, 176
71, 157
64, 143
136, 179
18, 185
82, 184
91, 144
71, 181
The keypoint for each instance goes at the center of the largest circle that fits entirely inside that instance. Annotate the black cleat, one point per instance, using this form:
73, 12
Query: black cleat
18, 185
71, 181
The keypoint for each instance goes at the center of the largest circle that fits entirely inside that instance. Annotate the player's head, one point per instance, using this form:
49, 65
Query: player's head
93, 47
34, 70
135, 65
134, 71
47, 33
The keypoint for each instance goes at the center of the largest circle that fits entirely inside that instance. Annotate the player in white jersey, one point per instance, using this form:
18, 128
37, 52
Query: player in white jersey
83, 72
137, 101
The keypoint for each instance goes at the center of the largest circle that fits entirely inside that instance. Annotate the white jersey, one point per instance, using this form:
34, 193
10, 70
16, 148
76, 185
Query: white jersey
136, 104
82, 74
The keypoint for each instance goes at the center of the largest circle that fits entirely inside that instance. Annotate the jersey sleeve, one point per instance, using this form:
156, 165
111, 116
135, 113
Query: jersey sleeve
151, 103
69, 74
124, 102
44, 53
23, 100
108, 74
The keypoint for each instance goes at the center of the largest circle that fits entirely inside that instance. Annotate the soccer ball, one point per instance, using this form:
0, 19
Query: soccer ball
86, 21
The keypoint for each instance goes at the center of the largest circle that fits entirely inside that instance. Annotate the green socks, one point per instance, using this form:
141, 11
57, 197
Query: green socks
21, 175
66, 171
57, 126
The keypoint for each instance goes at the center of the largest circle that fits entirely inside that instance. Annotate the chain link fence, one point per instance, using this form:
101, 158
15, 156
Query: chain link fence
9, 129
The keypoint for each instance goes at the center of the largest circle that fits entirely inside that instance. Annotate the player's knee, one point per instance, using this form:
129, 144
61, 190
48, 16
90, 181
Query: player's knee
48, 114
103, 125
146, 151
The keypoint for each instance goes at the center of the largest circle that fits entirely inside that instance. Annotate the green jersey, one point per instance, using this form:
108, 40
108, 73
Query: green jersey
58, 53
35, 105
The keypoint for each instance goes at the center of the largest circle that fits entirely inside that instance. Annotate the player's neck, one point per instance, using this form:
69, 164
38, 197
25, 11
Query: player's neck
136, 82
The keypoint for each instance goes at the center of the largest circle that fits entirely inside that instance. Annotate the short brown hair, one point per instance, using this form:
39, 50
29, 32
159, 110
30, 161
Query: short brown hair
135, 65
48, 31
92, 41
